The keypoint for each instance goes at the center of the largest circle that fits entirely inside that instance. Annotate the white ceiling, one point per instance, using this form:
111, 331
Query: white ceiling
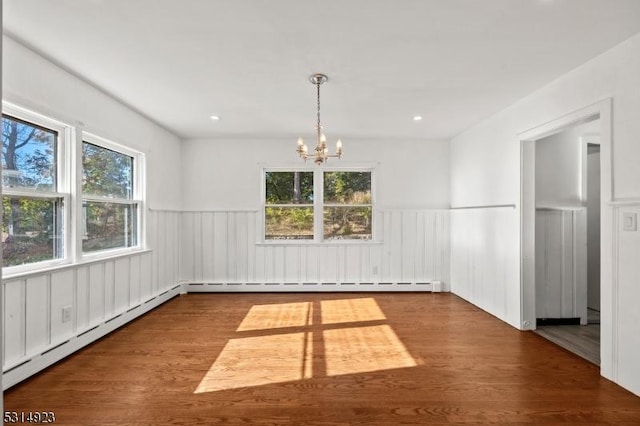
454, 62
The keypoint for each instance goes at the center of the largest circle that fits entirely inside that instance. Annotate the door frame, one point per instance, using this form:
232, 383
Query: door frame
608, 293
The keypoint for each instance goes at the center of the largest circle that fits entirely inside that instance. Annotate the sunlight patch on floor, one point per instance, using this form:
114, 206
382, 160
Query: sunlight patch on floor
350, 310
255, 361
281, 315
364, 349
282, 357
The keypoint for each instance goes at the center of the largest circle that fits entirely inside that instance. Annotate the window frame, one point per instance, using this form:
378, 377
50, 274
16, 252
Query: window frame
69, 174
62, 193
334, 205
137, 197
318, 204
289, 205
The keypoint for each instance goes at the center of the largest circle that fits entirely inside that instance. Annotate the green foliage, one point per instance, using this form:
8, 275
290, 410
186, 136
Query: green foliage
289, 187
106, 173
289, 222
108, 225
29, 234
350, 190
31, 225
347, 222
353, 190
347, 187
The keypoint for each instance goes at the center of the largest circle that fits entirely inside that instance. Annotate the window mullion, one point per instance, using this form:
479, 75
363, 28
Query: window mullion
76, 194
111, 200
318, 200
32, 195
140, 195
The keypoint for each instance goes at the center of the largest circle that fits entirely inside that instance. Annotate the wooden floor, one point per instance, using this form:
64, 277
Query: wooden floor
324, 359
582, 340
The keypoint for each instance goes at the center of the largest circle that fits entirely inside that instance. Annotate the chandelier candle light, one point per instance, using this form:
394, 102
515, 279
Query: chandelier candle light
322, 152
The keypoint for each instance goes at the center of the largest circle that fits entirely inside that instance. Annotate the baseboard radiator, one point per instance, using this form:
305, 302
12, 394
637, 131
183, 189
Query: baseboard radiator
247, 287
35, 363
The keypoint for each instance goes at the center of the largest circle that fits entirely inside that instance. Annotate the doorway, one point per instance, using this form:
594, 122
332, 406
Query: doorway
555, 272
567, 246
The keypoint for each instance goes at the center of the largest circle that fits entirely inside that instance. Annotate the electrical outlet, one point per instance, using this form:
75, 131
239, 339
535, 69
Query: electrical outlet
66, 314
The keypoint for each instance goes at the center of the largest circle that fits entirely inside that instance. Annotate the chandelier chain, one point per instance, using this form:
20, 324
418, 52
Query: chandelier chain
318, 91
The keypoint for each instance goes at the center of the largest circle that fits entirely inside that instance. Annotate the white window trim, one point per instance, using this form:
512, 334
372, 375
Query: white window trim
318, 204
69, 190
137, 199
63, 191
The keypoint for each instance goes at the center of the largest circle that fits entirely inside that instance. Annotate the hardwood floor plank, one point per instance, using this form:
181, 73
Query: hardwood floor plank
448, 363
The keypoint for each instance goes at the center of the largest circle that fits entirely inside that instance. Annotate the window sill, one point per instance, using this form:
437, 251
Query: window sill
297, 243
87, 260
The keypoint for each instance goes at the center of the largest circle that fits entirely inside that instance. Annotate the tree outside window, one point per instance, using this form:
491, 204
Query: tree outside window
318, 205
32, 208
109, 210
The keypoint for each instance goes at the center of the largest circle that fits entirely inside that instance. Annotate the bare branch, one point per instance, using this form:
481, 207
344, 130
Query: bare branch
26, 141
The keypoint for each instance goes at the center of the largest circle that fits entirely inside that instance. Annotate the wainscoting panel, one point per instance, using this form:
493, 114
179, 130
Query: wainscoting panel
485, 255
624, 311
100, 294
223, 247
561, 264
97, 293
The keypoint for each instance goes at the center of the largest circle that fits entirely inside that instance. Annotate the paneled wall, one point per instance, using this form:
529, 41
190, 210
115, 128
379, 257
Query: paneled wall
98, 293
222, 249
625, 292
484, 264
103, 294
486, 169
561, 264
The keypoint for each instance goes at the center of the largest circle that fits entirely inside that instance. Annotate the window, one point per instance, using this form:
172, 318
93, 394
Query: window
32, 201
110, 212
289, 205
319, 205
42, 193
347, 205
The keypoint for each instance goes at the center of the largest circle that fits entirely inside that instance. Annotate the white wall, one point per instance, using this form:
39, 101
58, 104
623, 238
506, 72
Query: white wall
485, 169
222, 181
628, 276
99, 291
483, 261
33, 82
409, 174
559, 163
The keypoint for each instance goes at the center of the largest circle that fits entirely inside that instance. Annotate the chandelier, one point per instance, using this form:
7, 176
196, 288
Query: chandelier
321, 152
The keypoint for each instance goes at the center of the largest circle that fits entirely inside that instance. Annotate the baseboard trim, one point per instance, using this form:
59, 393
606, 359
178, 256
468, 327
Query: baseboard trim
251, 287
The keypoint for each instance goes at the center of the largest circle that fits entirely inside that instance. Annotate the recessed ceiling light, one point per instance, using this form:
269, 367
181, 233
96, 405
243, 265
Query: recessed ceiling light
417, 117
215, 117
